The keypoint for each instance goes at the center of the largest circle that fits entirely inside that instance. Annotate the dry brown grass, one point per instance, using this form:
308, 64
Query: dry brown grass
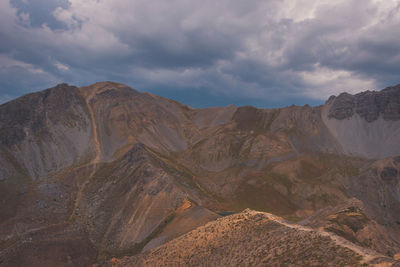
246, 239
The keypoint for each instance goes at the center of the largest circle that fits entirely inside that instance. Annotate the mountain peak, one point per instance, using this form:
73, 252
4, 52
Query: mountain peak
104, 87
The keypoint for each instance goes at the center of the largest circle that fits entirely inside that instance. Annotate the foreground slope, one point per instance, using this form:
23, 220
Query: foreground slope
105, 171
255, 238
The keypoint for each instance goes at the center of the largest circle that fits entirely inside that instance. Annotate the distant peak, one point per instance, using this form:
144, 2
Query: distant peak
62, 85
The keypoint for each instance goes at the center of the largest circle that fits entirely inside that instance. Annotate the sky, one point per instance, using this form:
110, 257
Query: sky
268, 53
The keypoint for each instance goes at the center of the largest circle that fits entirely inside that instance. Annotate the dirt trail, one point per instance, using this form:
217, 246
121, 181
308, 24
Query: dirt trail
367, 254
94, 127
96, 159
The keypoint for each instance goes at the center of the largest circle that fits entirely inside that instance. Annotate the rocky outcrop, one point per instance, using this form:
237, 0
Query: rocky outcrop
368, 105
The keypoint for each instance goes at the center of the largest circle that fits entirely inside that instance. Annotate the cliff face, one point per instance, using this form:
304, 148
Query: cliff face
366, 124
368, 105
123, 172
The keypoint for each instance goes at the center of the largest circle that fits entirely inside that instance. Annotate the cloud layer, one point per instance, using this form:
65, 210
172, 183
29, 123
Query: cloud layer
267, 53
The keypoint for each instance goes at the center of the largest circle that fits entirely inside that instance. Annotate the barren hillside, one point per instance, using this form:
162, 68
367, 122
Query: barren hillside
255, 238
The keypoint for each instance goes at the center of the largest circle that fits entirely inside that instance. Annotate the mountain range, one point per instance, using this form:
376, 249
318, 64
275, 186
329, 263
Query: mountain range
107, 175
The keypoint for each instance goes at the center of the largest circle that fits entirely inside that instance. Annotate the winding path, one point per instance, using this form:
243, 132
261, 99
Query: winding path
367, 254
97, 158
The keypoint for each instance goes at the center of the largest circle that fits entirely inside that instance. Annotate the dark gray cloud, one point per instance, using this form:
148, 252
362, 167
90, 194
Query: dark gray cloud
266, 53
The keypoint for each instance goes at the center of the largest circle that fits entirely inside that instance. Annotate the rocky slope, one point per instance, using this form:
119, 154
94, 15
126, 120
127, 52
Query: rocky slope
105, 171
366, 124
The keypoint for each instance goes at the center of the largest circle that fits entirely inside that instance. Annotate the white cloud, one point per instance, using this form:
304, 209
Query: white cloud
61, 66
7, 61
24, 18
325, 82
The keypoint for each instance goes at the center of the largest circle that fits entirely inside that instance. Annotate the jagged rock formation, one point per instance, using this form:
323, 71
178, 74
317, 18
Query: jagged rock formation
368, 105
121, 172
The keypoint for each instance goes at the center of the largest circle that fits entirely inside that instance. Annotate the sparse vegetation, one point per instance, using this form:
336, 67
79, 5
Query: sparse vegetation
248, 238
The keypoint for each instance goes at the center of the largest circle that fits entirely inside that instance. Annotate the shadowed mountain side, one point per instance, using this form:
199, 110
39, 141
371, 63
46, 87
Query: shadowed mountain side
45, 132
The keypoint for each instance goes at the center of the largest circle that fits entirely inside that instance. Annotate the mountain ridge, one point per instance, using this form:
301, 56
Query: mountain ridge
123, 172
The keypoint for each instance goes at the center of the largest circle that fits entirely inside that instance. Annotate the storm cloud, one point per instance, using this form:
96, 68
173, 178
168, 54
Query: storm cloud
265, 53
